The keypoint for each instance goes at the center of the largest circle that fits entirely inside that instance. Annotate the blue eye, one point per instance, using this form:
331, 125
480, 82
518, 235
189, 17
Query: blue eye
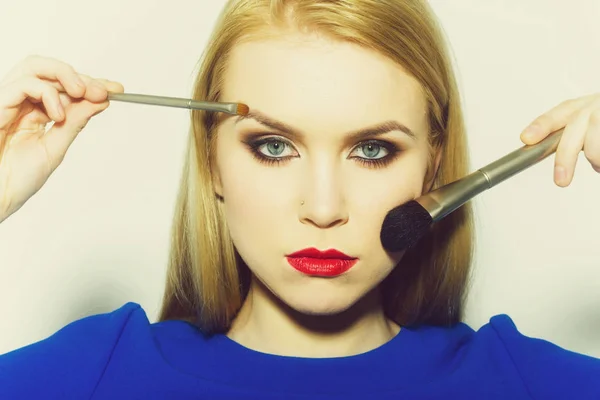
373, 151
271, 150
273, 147
274, 151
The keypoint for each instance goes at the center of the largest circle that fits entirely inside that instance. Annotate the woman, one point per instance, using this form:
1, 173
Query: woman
354, 110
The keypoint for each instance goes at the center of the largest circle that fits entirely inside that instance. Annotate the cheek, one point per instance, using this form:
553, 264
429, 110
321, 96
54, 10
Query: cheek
257, 200
374, 198
374, 195
251, 191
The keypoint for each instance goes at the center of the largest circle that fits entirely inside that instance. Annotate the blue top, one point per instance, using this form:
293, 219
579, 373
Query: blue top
120, 355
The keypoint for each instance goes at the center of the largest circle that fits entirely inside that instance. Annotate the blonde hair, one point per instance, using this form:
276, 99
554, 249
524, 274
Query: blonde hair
206, 280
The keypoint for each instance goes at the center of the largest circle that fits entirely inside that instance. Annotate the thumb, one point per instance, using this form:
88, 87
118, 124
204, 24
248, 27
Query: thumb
59, 138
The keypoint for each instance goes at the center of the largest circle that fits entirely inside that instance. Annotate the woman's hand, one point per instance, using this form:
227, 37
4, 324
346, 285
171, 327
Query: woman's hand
37, 91
581, 119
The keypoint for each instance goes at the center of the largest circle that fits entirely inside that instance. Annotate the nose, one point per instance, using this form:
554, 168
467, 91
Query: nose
323, 203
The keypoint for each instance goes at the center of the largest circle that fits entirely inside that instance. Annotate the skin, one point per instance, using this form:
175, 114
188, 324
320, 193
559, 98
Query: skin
36, 91
580, 118
324, 89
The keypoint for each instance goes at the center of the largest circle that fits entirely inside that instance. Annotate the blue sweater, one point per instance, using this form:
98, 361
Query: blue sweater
120, 355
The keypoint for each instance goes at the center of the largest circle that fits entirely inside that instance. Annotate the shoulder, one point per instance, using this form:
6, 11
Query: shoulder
74, 357
547, 370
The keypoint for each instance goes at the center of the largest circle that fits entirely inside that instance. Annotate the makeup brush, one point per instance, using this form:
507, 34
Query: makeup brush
404, 225
230, 108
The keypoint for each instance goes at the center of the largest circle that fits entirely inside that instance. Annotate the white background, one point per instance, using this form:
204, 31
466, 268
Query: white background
96, 235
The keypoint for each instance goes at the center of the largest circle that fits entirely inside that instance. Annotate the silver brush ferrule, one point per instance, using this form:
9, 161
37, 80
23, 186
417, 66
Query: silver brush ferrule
444, 200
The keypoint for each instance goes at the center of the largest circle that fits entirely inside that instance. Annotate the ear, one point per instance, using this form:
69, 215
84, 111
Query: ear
432, 172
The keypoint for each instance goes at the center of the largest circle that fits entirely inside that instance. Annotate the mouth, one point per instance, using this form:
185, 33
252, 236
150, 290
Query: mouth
326, 263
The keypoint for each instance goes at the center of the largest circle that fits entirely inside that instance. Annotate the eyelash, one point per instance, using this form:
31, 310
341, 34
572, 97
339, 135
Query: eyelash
254, 145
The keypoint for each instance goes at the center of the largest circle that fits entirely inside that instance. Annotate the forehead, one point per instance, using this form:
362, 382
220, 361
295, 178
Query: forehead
315, 82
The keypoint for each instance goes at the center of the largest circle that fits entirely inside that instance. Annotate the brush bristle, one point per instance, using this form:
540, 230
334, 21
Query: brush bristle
242, 109
404, 225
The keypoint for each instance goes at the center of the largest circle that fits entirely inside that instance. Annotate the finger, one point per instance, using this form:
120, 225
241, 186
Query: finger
111, 86
571, 143
66, 100
60, 137
98, 88
591, 145
15, 94
50, 69
94, 93
554, 119
56, 85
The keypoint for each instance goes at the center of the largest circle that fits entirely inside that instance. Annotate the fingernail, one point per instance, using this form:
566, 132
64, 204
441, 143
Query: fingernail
560, 175
531, 131
527, 136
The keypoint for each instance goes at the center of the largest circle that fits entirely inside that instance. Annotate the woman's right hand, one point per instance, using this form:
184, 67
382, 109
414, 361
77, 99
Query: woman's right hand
37, 91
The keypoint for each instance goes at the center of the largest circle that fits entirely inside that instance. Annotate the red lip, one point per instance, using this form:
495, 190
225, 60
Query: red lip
321, 263
316, 253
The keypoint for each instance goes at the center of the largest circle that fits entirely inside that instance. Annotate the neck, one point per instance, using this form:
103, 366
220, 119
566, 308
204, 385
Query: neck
268, 325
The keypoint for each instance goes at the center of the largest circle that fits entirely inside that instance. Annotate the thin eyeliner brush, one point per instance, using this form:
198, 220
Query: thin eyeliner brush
178, 102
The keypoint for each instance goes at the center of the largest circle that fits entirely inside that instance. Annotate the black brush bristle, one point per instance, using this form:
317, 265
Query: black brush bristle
404, 225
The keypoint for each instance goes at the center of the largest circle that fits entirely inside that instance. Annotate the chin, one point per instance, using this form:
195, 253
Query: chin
321, 302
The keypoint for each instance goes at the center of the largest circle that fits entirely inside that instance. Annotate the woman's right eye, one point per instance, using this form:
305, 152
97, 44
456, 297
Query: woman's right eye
273, 148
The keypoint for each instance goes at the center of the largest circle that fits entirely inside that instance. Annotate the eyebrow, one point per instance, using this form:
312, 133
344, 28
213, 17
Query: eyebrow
358, 135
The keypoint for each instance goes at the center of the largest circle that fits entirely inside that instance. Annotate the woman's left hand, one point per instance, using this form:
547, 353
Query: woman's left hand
581, 119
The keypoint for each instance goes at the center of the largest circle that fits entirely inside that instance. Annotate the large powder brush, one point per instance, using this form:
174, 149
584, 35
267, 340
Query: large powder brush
404, 225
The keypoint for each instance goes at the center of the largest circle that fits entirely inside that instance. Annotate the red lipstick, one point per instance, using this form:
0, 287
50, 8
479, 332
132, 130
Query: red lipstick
321, 263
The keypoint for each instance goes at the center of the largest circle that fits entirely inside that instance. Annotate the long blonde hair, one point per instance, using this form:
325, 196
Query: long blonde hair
206, 280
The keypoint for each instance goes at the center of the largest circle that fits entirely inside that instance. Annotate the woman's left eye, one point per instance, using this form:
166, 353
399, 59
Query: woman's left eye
372, 150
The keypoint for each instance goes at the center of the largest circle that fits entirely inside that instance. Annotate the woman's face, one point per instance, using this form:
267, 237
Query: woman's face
337, 136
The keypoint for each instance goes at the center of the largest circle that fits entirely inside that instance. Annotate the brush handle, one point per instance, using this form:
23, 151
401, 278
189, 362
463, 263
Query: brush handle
521, 159
177, 102
446, 199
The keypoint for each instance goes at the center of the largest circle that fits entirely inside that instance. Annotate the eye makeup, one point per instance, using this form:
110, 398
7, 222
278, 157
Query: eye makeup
256, 143
271, 149
376, 146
